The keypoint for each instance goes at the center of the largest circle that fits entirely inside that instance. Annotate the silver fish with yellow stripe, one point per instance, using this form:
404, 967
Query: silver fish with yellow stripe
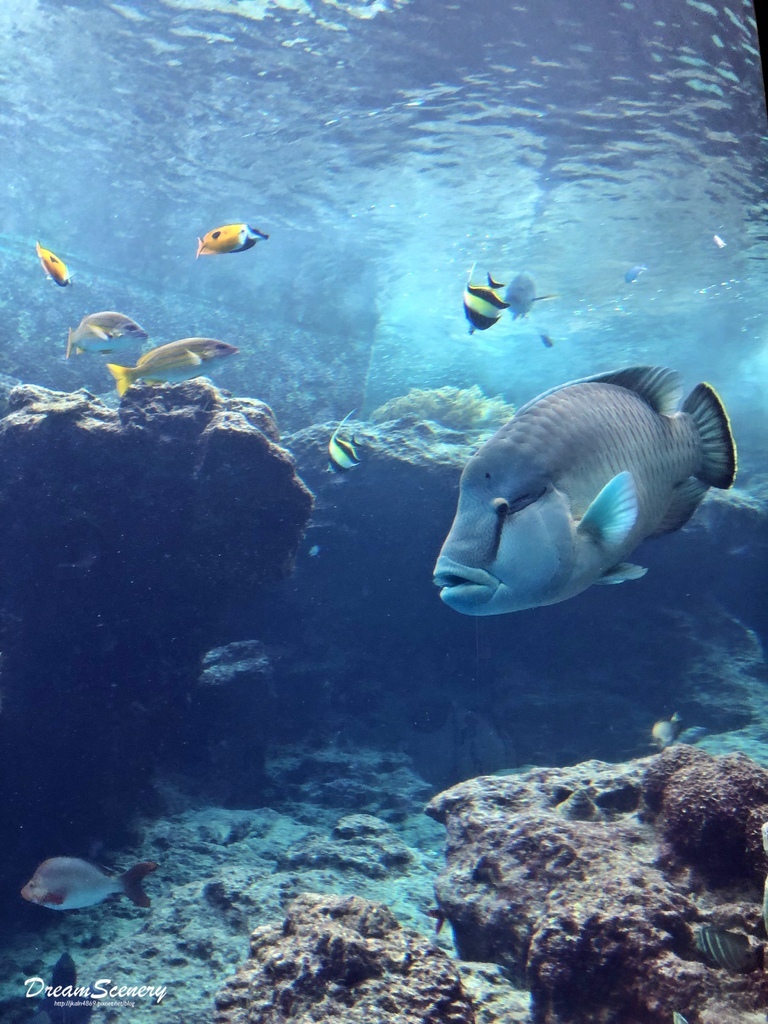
105, 332
168, 364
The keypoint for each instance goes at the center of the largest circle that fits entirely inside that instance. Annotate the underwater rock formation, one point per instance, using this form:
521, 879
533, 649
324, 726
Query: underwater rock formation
346, 959
128, 534
586, 911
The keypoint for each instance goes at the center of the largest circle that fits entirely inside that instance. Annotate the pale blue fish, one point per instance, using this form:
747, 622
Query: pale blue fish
633, 273
521, 295
559, 497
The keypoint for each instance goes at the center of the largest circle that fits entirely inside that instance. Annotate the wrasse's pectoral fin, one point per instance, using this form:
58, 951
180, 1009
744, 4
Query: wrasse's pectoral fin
613, 513
622, 572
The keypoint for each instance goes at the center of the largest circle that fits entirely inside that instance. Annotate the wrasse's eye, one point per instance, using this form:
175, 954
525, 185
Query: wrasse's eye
522, 502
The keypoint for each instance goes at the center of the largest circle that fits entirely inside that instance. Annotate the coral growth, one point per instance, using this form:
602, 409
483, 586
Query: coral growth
710, 812
457, 408
343, 958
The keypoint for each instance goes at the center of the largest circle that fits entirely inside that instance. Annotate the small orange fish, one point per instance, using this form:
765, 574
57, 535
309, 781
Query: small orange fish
229, 238
68, 883
55, 268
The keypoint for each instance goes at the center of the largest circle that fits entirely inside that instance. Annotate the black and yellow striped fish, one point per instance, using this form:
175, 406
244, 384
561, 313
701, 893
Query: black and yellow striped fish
342, 454
482, 306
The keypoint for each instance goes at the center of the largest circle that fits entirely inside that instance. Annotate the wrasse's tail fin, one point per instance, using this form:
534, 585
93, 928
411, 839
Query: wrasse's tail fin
714, 427
200, 245
132, 879
124, 377
69, 344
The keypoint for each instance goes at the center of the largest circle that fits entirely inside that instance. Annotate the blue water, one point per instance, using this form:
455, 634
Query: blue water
386, 147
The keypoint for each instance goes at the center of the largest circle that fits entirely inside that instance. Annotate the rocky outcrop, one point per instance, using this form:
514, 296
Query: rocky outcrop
128, 535
560, 876
346, 959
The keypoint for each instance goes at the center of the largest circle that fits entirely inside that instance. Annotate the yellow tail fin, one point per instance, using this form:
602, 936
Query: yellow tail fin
124, 376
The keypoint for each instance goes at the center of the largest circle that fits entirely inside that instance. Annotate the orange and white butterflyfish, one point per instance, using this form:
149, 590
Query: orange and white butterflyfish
172, 363
55, 268
482, 306
342, 454
229, 238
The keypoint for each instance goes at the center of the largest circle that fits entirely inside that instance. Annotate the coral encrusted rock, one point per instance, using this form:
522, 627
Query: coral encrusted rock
456, 408
585, 910
711, 810
343, 959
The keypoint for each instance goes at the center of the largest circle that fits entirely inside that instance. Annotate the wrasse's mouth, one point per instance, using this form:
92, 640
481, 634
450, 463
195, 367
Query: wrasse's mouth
464, 587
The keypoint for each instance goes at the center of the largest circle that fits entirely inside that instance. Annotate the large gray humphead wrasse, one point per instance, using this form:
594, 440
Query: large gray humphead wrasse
557, 499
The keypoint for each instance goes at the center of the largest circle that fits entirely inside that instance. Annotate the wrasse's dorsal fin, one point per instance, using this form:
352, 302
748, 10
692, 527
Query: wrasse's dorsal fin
659, 386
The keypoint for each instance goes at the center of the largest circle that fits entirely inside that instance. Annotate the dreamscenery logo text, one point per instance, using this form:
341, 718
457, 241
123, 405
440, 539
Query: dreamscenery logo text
101, 989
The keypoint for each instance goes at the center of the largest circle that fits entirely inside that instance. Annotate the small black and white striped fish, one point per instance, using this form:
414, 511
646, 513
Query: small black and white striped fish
482, 306
342, 454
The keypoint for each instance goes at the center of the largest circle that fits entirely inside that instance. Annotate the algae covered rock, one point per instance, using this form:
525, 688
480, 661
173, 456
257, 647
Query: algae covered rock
346, 959
456, 408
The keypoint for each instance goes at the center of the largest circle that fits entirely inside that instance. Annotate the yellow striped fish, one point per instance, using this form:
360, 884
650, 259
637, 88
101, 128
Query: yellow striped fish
177, 361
